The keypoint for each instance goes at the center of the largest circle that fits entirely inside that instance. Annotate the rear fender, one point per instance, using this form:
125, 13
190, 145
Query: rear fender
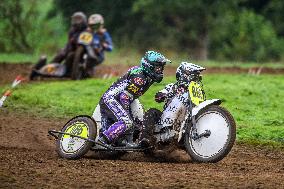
205, 104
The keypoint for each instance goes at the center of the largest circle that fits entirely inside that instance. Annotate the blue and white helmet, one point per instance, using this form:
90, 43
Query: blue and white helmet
153, 64
187, 72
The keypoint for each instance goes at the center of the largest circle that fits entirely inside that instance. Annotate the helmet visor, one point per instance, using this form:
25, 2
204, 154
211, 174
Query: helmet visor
76, 20
95, 26
159, 69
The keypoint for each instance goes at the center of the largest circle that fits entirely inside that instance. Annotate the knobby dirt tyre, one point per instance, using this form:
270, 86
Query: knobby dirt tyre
151, 117
77, 71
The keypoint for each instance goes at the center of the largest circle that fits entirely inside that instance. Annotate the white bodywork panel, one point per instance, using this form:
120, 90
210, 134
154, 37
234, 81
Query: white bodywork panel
54, 69
173, 115
204, 104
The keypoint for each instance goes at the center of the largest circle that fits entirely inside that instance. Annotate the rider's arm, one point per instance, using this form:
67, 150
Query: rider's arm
162, 94
107, 42
135, 83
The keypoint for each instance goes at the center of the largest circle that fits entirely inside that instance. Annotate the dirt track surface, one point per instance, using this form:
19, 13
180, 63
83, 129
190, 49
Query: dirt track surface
28, 160
8, 72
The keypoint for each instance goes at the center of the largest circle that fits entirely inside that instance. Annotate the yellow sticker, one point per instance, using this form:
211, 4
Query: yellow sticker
50, 69
196, 93
78, 128
86, 38
133, 88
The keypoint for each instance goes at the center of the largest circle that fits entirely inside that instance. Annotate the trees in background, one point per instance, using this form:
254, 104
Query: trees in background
25, 28
16, 20
245, 30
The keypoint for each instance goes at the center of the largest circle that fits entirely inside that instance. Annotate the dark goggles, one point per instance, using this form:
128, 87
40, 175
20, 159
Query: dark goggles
77, 20
95, 26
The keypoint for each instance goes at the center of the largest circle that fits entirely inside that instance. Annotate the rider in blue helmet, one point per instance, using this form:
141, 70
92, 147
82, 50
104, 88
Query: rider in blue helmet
115, 102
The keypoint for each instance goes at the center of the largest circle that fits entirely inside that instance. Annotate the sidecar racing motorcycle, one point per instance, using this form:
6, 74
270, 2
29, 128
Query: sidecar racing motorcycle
188, 121
74, 67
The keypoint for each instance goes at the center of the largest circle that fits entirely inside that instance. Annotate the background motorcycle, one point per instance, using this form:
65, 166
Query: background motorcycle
82, 53
75, 63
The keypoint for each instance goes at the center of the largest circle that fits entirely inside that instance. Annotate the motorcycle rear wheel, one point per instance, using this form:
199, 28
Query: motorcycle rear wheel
77, 70
151, 117
73, 147
213, 148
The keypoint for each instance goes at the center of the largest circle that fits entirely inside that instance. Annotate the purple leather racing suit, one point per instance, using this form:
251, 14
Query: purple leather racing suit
115, 103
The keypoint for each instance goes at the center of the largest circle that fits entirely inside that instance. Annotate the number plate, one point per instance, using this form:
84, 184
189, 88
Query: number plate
85, 38
196, 93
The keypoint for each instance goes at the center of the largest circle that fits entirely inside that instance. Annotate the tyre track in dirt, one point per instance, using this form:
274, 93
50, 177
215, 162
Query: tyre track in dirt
28, 160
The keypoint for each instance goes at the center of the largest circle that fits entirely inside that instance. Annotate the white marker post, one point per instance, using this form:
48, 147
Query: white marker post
16, 82
6, 94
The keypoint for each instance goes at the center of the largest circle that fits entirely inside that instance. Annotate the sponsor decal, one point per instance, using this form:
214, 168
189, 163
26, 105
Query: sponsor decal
50, 69
139, 81
133, 88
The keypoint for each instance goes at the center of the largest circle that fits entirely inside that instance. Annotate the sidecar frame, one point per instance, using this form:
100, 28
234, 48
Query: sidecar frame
106, 147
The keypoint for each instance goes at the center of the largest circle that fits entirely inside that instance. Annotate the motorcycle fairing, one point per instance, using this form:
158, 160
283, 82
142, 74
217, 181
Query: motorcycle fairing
173, 116
204, 104
52, 70
85, 38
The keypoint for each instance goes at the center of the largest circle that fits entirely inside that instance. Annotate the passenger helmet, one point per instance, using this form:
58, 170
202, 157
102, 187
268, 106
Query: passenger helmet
95, 21
153, 64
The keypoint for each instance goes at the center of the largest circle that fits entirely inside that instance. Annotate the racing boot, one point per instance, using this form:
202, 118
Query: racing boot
41, 62
113, 132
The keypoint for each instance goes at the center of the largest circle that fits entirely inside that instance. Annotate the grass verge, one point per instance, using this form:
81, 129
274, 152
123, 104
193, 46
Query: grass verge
130, 57
254, 101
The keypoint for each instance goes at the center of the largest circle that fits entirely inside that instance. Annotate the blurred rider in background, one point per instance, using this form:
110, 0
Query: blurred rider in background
101, 42
78, 24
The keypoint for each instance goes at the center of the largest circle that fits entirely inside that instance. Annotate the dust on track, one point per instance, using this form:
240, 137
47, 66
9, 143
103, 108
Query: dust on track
9, 71
28, 160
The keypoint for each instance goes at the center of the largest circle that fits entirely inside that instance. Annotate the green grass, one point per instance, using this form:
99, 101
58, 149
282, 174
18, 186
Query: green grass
132, 57
17, 58
256, 102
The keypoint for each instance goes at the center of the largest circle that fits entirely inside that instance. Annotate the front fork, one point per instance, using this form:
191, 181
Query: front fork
195, 135
191, 120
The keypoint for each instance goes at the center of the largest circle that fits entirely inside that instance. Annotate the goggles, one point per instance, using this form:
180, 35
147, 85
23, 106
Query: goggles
95, 26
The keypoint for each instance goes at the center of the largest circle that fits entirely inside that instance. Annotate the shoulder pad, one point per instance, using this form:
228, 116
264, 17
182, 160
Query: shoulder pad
135, 70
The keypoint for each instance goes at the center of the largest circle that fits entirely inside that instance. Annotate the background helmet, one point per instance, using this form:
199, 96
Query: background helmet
79, 20
153, 64
96, 19
187, 72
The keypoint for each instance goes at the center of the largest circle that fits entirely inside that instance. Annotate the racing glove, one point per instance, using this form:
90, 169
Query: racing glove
160, 97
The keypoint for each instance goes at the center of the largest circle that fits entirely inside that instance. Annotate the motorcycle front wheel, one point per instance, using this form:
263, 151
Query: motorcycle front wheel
220, 127
71, 147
